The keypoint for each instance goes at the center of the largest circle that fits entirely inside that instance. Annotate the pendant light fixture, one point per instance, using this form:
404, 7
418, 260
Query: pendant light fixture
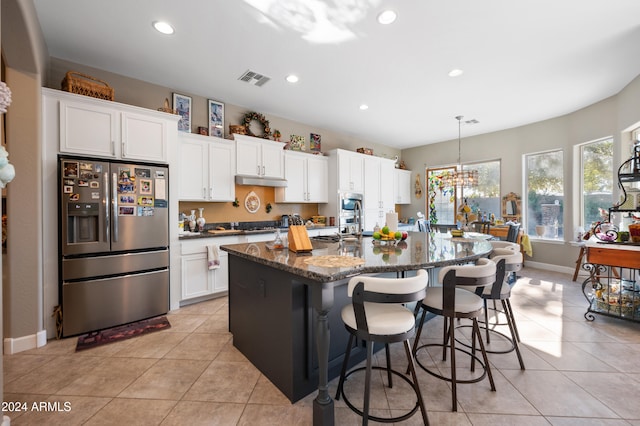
460, 177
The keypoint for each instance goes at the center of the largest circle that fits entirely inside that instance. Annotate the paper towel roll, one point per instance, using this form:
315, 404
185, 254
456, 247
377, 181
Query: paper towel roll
392, 221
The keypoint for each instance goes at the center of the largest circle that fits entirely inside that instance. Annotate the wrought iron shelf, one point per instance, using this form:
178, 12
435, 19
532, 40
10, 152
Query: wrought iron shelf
613, 294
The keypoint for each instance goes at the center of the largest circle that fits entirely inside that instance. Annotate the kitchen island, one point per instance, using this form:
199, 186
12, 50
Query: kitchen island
282, 306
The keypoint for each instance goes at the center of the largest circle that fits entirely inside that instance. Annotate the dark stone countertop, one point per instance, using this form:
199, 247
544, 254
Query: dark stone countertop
206, 234
420, 250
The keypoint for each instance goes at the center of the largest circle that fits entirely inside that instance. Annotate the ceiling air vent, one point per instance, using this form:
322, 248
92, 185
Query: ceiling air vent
254, 78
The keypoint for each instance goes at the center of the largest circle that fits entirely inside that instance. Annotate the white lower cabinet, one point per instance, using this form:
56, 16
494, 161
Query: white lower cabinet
197, 279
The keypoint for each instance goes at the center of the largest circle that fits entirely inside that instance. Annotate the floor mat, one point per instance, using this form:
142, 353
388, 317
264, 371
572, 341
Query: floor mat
122, 332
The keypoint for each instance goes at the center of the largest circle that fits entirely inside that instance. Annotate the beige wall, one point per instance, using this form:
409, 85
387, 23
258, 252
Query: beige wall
596, 121
147, 95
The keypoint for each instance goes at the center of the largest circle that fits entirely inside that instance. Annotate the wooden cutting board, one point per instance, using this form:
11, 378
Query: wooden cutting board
223, 231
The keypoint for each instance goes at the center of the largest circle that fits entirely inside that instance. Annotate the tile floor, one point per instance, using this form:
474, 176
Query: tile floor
578, 373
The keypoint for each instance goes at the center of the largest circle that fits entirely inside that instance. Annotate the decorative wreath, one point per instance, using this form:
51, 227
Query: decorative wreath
251, 116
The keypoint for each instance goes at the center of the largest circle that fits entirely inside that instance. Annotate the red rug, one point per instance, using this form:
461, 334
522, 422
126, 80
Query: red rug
122, 332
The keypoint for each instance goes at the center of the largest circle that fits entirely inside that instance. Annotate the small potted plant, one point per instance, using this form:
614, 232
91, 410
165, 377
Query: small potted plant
277, 135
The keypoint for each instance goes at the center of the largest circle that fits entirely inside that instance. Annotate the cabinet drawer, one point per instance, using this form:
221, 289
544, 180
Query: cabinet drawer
199, 246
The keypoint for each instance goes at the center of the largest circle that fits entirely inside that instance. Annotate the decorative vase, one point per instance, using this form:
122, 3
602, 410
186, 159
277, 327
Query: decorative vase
201, 220
540, 230
192, 221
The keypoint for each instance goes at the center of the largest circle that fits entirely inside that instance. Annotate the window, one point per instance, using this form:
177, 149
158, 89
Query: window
441, 200
483, 199
596, 180
545, 194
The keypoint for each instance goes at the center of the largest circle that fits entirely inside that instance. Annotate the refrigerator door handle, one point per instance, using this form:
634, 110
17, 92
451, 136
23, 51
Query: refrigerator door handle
105, 200
114, 202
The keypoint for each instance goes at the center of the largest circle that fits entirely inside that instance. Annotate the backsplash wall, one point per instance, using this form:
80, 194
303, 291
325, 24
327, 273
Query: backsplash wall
226, 212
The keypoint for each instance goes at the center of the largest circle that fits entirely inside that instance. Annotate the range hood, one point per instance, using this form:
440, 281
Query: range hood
258, 181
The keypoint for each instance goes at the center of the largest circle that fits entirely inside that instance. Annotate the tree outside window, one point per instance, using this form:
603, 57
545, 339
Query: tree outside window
545, 194
596, 164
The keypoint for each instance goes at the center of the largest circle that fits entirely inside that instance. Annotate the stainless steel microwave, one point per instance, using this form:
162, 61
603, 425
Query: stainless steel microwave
349, 201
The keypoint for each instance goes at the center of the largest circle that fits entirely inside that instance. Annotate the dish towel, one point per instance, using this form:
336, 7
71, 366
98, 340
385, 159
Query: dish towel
526, 245
213, 258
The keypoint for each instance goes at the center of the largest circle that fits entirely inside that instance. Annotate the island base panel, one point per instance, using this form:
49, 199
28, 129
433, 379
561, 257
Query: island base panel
273, 324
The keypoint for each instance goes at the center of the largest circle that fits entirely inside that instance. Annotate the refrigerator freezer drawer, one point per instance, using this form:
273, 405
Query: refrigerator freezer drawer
97, 304
100, 266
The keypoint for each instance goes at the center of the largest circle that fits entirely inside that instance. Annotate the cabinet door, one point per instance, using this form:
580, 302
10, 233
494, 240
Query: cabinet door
403, 186
221, 172
221, 275
194, 170
350, 171
248, 158
88, 129
387, 187
144, 138
317, 179
196, 277
371, 184
295, 173
272, 160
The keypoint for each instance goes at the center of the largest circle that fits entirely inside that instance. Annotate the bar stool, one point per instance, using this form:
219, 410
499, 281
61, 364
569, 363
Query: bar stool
452, 301
506, 262
376, 314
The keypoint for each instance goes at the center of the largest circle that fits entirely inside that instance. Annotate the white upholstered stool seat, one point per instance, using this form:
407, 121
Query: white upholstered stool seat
382, 319
466, 301
377, 314
456, 299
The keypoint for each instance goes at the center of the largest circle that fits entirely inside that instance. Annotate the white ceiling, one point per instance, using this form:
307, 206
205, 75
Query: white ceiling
523, 60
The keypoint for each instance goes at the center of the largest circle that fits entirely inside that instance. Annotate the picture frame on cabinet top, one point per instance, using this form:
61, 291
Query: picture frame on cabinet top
182, 105
216, 118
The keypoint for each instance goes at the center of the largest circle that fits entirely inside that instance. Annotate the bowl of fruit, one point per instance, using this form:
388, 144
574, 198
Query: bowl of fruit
388, 237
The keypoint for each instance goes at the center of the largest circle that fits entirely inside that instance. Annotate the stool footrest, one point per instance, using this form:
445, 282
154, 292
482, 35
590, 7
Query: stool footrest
448, 379
490, 351
382, 419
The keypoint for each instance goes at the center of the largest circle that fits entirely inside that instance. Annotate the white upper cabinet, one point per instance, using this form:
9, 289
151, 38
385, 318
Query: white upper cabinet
88, 129
259, 157
307, 179
378, 190
99, 128
350, 171
143, 137
206, 168
402, 180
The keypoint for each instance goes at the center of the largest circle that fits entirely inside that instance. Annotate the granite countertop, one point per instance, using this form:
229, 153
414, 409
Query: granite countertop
420, 250
229, 232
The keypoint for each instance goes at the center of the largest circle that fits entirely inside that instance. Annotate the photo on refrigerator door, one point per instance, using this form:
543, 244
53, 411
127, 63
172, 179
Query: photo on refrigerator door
146, 187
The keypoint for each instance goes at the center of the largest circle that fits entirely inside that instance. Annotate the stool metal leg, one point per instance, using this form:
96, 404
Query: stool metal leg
388, 355
343, 372
514, 331
454, 392
367, 384
484, 354
412, 369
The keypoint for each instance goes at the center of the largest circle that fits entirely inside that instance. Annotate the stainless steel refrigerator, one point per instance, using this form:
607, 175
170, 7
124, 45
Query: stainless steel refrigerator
114, 243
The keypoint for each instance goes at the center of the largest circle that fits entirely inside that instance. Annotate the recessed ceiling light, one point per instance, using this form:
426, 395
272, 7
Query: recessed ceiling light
455, 72
292, 78
364, 107
387, 17
163, 27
